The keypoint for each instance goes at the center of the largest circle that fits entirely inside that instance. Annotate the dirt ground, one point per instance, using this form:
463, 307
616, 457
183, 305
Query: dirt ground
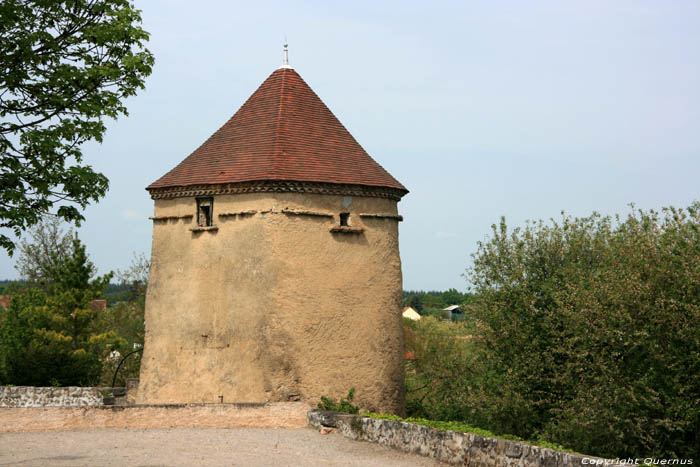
195, 447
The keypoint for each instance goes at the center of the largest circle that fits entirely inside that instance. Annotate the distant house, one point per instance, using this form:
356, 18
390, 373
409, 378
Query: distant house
98, 305
453, 311
410, 313
5, 301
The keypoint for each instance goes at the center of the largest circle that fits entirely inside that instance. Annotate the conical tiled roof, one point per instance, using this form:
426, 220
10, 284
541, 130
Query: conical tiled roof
283, 132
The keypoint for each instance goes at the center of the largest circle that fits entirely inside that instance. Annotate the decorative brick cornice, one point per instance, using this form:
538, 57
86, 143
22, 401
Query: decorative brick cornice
275, 186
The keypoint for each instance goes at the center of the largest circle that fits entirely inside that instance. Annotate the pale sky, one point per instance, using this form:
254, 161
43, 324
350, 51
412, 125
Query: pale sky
481, 109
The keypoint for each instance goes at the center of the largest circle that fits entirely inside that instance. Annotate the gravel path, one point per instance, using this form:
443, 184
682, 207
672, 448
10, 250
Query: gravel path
190, 447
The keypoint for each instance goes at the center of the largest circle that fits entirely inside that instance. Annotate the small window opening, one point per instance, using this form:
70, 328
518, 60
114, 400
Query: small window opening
344, 217
205, 210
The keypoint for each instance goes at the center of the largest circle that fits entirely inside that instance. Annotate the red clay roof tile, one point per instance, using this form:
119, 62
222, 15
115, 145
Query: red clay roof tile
282, 132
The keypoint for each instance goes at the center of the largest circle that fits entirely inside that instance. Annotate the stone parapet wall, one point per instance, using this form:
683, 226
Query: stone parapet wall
448, 446
30, 396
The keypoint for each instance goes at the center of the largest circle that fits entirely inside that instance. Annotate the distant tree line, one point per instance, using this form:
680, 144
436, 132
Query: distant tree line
114, 293
6, 284
431, 303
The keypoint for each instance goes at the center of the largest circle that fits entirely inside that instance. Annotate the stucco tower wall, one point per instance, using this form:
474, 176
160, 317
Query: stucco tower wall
273, 303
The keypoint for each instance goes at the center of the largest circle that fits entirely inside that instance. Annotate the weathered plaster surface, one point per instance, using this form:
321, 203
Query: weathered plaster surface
274, 415
272, 303
30, 396
449, 446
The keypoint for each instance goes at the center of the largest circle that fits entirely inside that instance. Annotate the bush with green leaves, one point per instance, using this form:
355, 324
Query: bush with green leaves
51, 337
436, 376
343, 405
463, 428
126, 319
587, 333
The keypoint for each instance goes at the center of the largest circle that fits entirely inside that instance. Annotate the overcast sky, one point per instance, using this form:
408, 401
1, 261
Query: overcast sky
481, 109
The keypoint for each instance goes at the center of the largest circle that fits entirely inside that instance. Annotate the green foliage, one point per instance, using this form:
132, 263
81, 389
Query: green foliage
453, 297
415, 302
440, 425
66, 65
50, 338
115, 293
464, 428
48, 247
587, 333
344, 405
7, 285
135, 277
437, 378
125, 319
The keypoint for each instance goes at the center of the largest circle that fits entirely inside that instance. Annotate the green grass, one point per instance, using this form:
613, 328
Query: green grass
464, 428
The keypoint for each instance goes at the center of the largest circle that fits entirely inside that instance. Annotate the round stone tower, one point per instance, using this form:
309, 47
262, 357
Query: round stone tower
275, 268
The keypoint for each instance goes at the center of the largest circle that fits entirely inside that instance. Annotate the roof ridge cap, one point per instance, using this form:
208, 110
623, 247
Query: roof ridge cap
277, 150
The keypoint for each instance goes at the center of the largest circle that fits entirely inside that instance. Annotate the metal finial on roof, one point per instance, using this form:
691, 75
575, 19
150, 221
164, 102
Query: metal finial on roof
285, 63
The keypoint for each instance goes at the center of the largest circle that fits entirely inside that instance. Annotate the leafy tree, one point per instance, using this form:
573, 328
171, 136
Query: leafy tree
136, 276
432, 301
51, 337
440, 371
452, 297
66, 65
437, 313
415, 302
115, 293
588, 333
126, 319
48, 248
7, 285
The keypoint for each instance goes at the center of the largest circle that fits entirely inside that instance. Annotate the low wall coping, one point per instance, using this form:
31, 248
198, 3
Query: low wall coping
229, 415
36, 396
449, 446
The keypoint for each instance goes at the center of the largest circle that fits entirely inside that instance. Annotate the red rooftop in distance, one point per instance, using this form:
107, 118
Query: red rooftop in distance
283, 132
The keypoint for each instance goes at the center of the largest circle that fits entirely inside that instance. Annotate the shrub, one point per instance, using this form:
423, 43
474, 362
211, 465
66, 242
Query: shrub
52, 338
587, 333
344, 405
437, 375
126, 320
